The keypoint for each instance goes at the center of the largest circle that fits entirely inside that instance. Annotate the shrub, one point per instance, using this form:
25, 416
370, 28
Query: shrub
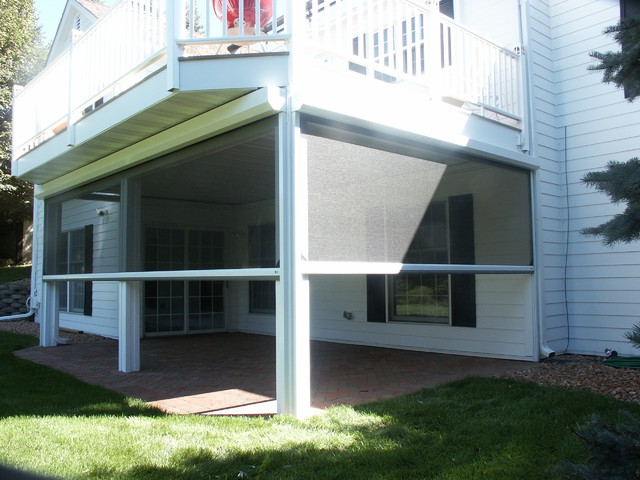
614, 451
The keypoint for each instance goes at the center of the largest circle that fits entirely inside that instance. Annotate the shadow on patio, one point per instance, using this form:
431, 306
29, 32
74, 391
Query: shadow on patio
234, 373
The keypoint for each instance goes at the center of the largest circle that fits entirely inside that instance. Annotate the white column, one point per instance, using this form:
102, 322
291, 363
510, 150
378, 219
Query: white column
175, 18
293, 365
50, 318
129, 326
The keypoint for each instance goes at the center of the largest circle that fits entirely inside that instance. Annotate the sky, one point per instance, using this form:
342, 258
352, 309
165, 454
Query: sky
49, 13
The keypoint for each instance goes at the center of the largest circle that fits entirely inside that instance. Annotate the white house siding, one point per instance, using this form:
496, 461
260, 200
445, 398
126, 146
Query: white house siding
502, 221
504, 320
504, 302
76, 214
237, 293
595, 125
545, 151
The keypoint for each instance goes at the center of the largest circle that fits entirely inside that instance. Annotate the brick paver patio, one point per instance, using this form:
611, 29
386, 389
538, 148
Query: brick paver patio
234, 373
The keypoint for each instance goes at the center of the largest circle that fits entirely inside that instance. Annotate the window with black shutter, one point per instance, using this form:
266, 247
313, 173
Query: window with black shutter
445, 235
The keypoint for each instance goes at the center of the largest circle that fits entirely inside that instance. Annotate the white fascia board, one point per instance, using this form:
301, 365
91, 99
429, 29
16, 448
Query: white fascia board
407, 112
117, 111
422, 133
233, 71
244, 110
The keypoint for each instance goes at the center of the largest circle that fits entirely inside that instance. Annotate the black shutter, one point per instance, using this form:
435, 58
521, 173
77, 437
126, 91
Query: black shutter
376, 304
88, 268
446, 8
462, 251
629, 8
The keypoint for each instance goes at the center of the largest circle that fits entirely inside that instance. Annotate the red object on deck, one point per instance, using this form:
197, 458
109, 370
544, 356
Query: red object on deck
233, 11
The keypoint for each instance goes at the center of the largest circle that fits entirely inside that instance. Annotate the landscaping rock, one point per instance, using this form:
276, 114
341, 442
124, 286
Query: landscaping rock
13, 297
29, 327
582, 372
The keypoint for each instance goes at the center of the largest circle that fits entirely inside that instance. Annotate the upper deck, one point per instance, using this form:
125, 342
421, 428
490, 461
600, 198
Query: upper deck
148, 65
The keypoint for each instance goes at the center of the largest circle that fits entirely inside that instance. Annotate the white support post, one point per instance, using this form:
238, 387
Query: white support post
50, 318
293, 358
175, 19
129, 326
293, 362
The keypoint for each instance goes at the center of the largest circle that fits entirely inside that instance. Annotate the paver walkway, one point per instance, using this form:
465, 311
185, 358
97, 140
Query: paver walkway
234, 373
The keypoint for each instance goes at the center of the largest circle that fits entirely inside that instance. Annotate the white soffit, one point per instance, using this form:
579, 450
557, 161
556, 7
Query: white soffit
241, 111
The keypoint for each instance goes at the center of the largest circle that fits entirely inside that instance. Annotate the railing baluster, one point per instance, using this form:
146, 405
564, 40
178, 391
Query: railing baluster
400, 39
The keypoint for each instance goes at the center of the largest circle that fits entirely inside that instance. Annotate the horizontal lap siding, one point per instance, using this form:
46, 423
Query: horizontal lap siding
76, 214
595, 125
503, 319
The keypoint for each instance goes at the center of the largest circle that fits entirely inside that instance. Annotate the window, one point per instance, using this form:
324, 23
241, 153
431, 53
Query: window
183, 306
76, 256
262, 253
445, 236
446, 7
424, 297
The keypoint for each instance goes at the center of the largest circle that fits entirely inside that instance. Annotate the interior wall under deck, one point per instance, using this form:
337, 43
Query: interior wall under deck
76, 215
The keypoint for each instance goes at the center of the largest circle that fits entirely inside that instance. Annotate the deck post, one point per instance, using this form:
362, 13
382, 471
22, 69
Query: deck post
293, 364
175, 11
50, 318
129, 326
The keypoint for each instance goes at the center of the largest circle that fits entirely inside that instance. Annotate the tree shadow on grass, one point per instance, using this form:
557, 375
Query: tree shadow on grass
470, 429
32, 389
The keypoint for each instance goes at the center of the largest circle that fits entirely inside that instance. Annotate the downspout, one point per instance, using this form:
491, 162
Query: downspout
35, 242
32, 310
32, 306
544, 350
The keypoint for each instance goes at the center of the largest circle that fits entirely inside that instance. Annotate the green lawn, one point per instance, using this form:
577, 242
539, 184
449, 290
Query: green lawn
12, 273
470, 429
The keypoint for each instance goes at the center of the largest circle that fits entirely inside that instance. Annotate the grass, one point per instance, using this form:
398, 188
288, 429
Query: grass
55, 425
13, 273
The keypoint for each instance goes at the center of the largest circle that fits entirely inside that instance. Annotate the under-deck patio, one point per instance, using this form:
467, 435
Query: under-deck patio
235, 373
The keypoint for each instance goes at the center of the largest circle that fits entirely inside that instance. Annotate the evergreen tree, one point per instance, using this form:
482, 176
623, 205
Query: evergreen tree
614, 451
21, 55
621, 180
622, 68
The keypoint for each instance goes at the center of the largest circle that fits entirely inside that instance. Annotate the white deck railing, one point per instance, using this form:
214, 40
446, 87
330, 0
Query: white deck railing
396, 41
401, 40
